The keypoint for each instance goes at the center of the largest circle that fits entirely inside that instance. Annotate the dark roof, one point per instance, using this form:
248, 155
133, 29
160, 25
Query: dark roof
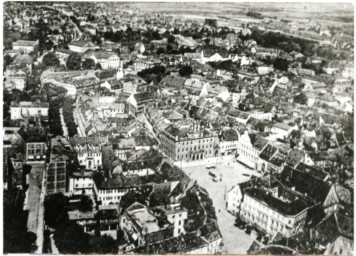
283, 207
335, 225
258, 141
141, 97
230, 135
238, 113
209, 228
304, 183
174, 131
179, 244
314, 171
159, 236
268, 152
107, 214
160, 194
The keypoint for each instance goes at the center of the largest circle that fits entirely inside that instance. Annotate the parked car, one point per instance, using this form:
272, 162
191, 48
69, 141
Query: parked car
212, 174
210, 166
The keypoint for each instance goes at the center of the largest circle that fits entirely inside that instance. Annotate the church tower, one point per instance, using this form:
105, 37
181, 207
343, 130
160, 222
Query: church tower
120, 71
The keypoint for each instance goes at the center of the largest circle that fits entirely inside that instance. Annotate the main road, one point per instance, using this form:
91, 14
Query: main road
231, 173
36, 194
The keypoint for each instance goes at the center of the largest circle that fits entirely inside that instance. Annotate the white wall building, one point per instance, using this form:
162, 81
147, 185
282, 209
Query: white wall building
25, 45
25, 109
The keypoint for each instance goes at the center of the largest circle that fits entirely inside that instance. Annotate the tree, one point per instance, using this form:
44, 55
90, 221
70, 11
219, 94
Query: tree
50, 60
171, 39
7, 61
103, 245
85, 204
55, 210
32, 83
301, 99
260, 126
185, 71
68, 117
88, 64
326, 133
281, 64
98, 66
160, 50
74, 61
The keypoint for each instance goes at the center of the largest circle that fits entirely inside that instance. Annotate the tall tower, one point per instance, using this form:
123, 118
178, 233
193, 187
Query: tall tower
120, 71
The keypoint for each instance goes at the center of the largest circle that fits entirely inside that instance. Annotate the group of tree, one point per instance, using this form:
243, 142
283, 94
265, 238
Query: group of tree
17, 238
54, 118
317, 67
88, 64
126, 36
282, 41
75, 62
227, 65
50, 60
185, 71
278, 63
40, 31
68, 117
154, 74
33, 133
254, 14
70, 237
7, 61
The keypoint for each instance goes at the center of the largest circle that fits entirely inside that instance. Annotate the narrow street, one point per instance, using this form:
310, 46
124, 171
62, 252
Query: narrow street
64, 126
53, 246
36, 193
40, 217
235, 241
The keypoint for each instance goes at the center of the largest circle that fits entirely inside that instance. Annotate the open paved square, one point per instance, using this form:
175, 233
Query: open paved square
231, 173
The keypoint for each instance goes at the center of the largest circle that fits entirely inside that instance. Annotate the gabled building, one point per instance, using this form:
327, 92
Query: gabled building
88, 151
249, 149
338, 198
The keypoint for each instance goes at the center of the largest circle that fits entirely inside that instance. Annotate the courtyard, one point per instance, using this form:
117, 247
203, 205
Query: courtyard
236, 241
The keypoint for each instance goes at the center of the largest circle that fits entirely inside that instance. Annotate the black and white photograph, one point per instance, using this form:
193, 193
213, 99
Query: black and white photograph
157, 127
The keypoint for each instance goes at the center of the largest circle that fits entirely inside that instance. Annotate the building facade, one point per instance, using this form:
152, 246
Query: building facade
188, 146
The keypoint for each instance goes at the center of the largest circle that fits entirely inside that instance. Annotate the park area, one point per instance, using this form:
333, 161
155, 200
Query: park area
227, 174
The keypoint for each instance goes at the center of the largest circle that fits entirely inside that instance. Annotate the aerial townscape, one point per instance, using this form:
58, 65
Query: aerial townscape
178, 128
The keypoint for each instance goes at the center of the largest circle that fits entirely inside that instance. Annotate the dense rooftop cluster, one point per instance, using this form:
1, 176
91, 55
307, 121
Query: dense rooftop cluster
103, 102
